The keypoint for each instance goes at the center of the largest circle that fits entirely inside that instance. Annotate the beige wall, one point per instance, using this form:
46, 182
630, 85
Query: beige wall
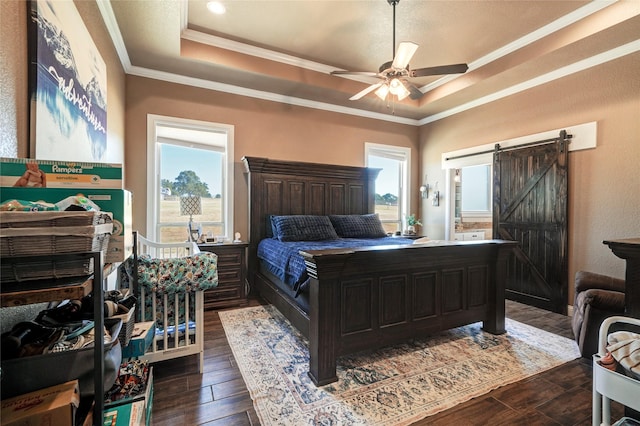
604, 183
14, 105
262, 129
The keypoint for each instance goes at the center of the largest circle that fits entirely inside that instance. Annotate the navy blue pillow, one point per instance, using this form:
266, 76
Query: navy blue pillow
358, 226
303, 228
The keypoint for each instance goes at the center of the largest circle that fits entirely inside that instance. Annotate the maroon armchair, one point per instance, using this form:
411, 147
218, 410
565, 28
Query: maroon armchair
596, 298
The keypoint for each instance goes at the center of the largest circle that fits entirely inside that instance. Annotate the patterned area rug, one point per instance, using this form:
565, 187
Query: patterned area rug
397, 385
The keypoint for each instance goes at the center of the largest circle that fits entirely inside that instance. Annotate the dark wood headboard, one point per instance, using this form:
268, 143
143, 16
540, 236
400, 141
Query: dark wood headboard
292, 187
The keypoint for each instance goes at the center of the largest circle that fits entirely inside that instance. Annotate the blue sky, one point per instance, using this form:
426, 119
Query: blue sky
206, 164
387, 181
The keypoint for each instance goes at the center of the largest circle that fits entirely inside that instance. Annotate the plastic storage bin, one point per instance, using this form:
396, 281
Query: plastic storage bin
607, 384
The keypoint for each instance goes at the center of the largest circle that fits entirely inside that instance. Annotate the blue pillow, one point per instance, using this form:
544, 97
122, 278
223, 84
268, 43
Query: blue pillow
358, 226
303, 228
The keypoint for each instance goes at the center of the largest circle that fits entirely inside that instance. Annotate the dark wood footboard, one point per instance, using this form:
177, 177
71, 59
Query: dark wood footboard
372, 297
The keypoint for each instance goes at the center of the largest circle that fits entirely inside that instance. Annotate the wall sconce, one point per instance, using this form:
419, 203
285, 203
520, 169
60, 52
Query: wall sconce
424, 191
436, 198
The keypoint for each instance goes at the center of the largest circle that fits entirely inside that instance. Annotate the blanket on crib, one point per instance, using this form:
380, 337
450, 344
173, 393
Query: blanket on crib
173, 277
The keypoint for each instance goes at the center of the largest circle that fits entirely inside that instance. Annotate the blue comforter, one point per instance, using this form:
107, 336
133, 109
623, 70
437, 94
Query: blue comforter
284, 261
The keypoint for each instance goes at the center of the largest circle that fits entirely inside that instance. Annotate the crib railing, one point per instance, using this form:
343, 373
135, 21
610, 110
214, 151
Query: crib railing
165, 250
179, 337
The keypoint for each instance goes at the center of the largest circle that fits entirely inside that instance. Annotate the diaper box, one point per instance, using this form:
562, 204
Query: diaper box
116, 201
31, 173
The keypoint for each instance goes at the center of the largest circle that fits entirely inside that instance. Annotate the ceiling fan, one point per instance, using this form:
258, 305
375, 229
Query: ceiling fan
394, 74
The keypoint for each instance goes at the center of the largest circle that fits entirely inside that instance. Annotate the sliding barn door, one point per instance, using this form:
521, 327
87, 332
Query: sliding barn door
530, 207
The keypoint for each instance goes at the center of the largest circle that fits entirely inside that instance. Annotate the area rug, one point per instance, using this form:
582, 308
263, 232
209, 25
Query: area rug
397, 385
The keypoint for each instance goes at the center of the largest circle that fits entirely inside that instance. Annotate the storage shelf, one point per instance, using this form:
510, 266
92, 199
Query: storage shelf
38, 291
67, 288
42, 292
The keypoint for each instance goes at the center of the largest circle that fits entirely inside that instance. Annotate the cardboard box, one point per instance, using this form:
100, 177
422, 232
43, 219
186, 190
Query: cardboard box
29, 173
116, 201
55, 405
141, 338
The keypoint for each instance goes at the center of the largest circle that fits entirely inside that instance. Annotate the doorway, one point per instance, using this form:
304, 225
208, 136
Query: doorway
472, 188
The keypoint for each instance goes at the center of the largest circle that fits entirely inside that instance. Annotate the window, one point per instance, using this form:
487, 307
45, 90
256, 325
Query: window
189, 158
392, 189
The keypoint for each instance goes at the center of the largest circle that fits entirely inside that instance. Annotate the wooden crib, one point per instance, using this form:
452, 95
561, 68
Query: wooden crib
175, 335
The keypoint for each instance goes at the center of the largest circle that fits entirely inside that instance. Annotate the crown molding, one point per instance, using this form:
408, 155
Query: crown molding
267, 96
270, 55
111, 23
610, 55
527, 39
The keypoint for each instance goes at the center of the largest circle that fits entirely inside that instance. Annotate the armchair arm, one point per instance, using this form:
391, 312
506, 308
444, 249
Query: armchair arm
589, 280
604, 300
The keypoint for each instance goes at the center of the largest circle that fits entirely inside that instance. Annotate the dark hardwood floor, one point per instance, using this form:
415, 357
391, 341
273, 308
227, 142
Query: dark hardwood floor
561, 396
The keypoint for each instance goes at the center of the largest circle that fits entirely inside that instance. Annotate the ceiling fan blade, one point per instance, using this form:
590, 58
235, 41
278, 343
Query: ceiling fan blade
370, 74
443, 69
405, 52
365, 91
414, 92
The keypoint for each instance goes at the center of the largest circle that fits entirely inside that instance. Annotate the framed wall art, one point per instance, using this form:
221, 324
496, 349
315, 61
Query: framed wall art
67, 85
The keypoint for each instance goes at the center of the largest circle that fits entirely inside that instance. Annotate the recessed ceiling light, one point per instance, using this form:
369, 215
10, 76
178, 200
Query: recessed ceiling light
216, 7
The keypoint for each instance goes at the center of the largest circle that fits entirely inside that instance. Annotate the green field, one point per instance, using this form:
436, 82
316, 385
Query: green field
177, 231
212, 214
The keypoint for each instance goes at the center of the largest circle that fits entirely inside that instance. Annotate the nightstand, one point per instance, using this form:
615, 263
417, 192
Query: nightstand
232, 286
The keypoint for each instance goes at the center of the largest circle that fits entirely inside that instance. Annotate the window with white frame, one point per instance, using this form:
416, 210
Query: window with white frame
190, 179
392, 183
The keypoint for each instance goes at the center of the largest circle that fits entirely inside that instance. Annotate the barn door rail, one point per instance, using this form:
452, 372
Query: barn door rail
563, 136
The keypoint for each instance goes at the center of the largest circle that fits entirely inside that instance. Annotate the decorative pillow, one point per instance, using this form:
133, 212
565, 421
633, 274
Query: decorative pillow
303, 228
358, 226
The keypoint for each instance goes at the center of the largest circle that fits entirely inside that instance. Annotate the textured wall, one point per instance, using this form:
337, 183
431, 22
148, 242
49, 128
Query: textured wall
13, 79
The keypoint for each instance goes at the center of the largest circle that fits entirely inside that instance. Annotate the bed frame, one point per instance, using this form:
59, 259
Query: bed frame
367, 298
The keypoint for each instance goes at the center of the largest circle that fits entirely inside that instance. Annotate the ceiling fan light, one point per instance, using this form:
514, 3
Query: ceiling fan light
395, 86
403, 94
382, 92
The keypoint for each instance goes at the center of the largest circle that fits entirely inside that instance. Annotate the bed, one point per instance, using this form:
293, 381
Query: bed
359, 298
169, 280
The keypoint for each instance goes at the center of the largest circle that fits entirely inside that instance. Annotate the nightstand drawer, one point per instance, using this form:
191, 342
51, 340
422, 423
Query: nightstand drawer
219, 294
228, 275
229, 259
